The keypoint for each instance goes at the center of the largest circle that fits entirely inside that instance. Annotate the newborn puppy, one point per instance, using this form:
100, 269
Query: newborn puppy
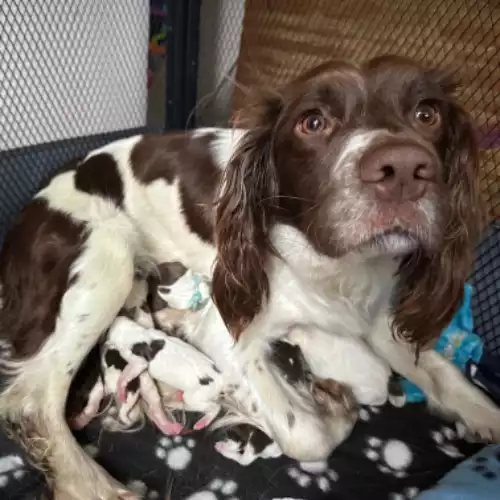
173, 292
106, 366
113, 365
151, 354
245, 443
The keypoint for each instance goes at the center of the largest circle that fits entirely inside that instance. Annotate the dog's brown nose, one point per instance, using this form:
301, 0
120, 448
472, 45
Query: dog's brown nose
398, 172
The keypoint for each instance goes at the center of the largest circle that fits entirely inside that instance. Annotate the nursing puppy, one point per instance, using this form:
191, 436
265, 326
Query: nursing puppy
178, 301
171, 361
348, 200
97, 394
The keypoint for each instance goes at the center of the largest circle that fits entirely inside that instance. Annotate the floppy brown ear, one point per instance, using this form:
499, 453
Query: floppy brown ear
431, 285
243, 218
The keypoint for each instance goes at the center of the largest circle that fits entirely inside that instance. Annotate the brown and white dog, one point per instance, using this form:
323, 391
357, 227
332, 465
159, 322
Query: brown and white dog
348, 201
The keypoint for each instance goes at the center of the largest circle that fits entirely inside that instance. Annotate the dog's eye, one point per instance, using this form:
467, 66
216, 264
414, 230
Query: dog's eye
426, 114
313, 123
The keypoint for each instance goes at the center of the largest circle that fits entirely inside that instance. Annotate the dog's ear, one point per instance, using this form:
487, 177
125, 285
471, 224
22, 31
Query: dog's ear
431, 285
244, 214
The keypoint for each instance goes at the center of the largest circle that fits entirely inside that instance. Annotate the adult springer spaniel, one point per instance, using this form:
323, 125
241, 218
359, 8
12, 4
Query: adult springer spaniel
348, 202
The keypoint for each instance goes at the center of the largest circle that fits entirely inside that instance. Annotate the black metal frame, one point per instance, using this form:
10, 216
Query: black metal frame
183, 17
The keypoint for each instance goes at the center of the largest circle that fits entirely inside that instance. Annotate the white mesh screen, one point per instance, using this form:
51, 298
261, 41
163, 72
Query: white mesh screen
71, 68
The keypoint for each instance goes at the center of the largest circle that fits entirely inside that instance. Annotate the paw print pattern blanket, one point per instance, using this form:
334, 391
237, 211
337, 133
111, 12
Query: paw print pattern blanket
393, 453
396, 452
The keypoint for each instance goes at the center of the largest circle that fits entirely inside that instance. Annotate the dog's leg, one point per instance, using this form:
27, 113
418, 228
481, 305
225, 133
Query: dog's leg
198, 401
291, 417
133, 369
339, 358
151, 396
446, 388
137, 367
211, 412
138, 294
90, 411
203, 399
36, 394
129, 412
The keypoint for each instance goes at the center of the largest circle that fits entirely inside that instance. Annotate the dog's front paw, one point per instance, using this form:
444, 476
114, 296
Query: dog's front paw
484, 427
481, 424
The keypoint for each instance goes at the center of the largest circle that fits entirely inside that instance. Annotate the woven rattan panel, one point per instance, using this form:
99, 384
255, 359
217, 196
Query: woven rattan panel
282, 38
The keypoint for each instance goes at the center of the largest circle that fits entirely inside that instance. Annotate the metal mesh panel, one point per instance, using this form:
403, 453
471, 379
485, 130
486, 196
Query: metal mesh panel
486, 281
73, 75
220, 34
71, 68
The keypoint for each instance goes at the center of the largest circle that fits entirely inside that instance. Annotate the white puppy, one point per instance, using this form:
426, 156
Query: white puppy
170, 361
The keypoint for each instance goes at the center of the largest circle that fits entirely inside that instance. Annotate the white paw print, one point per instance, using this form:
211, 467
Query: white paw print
12, 468
393, 457
443, 438
140, 488
406, 494
313, 472
175, 452
218, 489
366, 412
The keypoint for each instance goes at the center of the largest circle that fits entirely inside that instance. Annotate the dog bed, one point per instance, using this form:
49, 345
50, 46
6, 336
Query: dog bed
395, 452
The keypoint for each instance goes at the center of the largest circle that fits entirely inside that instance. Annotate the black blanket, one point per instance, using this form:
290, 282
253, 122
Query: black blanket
392, 454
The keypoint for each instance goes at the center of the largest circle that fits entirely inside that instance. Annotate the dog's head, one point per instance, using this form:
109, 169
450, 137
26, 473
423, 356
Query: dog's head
377, 158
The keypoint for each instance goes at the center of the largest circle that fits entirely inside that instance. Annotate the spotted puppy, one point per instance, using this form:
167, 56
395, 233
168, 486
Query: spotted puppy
175, 300
152, 355
104, 368
245, 443
147, 306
